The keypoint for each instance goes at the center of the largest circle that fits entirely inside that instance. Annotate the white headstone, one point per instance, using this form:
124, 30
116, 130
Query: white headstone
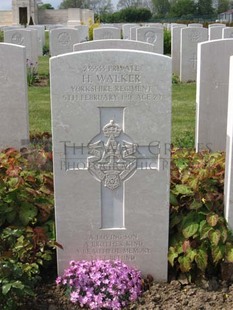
114, 44
190, 37
111, 185
126, 30
41, 37
227, 32
216, 25
228, 184
61, 40
151, 35
175, 48
158, 25
74, 17
14, 124
133, 32
215, 33
106, 25
35, 44
106, 33
212, 94
27, 38
83, 31
193, 25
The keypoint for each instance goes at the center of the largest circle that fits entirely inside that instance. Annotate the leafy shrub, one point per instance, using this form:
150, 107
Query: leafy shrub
129, 14
101, 284
92, 27
199, 236
175, 79
1, 36
46, 45
186, 139
133, 14
26, 222
167, 42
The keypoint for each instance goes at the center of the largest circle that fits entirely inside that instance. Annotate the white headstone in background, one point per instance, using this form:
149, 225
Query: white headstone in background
227, 32
114, 44
212, 94
27, 38
228, 184
61, 40
158, 25
216, 25
74, 17
41, 37
106, 25
151, 35
35, 44
133, 31
111, 175
215, 33
106, 33
14, 123
83, 31
126, 30
175, 48
190, 37
193, 25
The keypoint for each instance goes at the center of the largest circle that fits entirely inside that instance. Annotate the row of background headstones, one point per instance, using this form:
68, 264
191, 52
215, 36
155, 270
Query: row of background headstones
184, 41
184, 47
205, 74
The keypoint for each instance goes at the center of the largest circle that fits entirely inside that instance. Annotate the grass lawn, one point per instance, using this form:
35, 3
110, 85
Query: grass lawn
183, 108
183, 114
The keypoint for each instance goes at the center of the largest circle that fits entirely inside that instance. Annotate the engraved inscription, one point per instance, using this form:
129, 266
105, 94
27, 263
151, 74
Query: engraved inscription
107, 35
17, 38
150, 37
193, 61
125, 247
112, 161
195, 36
3, 74
64, 38
112, 83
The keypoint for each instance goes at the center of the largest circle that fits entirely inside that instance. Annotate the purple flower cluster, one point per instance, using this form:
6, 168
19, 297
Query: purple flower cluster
101, 284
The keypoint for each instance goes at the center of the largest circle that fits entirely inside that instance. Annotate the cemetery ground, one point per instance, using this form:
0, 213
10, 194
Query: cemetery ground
199, 240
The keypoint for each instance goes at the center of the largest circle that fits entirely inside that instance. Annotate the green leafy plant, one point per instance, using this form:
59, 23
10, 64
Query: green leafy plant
32, 74
1, 36
175, 79
92, 26
26, 222
199, 237
167, 42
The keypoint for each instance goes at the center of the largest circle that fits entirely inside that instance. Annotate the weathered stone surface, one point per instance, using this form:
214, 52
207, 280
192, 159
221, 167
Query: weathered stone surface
14, 125
228, 184
175, 48
190, 37
212, 94
215, 32
62, 40
27, 38
151, 35
106, 33
114, 44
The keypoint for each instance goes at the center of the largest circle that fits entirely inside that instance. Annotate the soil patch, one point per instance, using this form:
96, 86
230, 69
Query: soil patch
210, 295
